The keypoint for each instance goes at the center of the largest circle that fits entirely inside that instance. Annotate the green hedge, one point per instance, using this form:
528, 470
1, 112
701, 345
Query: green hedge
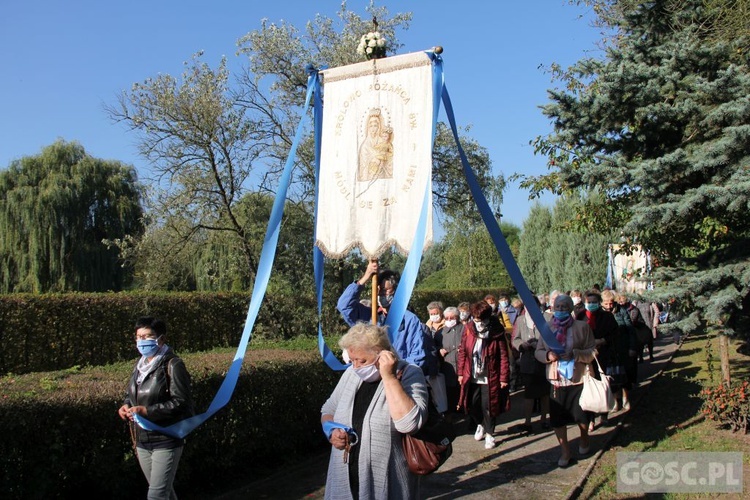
58, 331
61, 434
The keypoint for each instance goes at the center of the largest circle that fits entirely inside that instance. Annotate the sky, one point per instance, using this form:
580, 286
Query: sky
64, 61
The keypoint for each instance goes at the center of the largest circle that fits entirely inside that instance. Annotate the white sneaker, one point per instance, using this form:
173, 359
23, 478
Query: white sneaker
479, 434
489, 441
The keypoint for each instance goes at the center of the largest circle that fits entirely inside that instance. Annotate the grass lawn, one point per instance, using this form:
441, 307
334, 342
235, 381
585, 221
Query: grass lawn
668, 418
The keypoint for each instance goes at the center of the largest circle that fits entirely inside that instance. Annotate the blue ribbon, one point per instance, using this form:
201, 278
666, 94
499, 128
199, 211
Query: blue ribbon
566, 367
184, 427
497, 237
330, 425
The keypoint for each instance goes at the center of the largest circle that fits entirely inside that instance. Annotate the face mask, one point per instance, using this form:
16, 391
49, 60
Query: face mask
592, 307
492, 305
450, 323
463, 315
369, 373
385, 300
147, 347
434, 318
481, 326
562, 315
576, 301
503, 304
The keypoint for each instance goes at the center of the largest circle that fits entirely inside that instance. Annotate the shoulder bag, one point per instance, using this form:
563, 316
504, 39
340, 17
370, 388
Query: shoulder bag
428, 448
597, 395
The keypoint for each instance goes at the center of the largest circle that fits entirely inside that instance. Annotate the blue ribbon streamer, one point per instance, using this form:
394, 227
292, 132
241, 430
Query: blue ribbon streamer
330, 425
497, 237
184, 427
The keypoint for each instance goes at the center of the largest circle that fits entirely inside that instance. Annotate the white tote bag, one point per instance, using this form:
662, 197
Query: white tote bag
597, 395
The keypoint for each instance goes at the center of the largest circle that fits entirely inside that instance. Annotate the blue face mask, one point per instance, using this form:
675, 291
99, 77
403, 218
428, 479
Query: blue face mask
385, 301
147, 347
561, 315
592, 307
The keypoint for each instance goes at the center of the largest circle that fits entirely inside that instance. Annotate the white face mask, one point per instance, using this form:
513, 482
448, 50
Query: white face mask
576, 301
434, 318
481, 326
463, 315
369, 373
450, 323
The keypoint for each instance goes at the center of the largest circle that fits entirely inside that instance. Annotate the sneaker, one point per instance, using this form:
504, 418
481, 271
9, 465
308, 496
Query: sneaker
489, 441
479, 434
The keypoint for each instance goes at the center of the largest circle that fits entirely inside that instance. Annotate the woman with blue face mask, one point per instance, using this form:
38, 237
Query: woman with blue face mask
378, 399
565, 370
605, 328
159, 390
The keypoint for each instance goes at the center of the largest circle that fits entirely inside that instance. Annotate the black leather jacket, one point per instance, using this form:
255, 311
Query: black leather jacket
167, 399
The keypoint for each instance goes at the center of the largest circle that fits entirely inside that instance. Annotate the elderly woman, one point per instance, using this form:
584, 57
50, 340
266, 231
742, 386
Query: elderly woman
565, 372
378, 398
451, 340
484, 372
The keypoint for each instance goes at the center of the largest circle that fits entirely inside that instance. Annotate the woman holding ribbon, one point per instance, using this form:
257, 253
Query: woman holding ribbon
378, 398
565, 370
159, 390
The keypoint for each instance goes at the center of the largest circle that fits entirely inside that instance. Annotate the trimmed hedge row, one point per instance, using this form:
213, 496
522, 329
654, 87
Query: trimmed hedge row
61, 434
58, 331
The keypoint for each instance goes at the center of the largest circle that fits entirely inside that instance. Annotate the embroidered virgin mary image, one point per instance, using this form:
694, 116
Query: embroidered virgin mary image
375, 158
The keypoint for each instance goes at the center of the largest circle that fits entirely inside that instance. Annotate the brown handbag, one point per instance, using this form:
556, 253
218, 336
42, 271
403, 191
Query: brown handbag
428, 448
424, 457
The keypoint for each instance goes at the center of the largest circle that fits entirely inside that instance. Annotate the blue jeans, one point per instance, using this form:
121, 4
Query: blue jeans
160, 466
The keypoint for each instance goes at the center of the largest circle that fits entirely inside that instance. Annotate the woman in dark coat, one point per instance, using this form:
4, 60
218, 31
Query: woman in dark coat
483, 371
604, 326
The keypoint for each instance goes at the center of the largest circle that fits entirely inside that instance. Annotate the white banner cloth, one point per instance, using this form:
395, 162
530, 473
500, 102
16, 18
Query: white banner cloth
376, 155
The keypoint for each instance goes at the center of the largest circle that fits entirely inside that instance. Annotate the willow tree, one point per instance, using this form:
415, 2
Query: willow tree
56, 209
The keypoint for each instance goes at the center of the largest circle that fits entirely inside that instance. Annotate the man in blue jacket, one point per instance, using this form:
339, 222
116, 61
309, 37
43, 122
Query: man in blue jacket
412, 341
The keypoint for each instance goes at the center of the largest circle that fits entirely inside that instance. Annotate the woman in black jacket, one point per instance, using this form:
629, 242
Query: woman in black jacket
159, 390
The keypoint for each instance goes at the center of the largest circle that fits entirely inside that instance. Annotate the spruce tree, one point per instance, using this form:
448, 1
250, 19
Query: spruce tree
661, 125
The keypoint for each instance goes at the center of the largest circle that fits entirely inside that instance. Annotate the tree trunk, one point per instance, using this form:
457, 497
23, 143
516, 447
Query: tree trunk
724, 354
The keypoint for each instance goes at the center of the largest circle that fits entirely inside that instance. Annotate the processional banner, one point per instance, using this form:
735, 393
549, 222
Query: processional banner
630, 271
376, 155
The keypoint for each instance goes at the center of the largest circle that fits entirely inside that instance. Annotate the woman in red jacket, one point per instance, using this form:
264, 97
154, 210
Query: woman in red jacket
483, 371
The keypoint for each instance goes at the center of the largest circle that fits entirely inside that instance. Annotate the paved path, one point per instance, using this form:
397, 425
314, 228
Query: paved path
522, 466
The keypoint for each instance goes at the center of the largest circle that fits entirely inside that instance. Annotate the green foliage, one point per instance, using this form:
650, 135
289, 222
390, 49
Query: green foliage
471, 258
729, 406
244, 438
209, 139
660, 126
56, 209
38, 332
556, 253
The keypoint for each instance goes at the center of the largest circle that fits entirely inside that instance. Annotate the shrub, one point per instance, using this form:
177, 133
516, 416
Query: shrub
729, 406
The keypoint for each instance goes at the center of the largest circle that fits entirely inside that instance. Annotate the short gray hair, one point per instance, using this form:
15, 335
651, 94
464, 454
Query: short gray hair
563, 299
435, 304
367, 337
451, 310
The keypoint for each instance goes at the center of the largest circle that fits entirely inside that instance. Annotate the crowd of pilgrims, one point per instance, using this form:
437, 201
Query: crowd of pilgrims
488, 349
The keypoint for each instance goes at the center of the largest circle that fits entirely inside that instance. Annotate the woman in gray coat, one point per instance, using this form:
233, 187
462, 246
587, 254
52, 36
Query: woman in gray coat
378, 399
